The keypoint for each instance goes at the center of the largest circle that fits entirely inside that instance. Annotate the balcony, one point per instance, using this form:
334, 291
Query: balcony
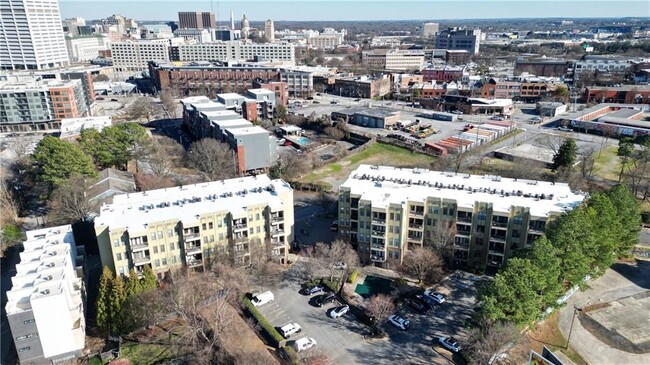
465, 234
240, 238
141, 260
374, 258
239, 226
377, 246
498, 224
378, 233
417, 226
416, 213
191, 236
138, 246
535, 231
194, 262
378, 221
416, 239
191, 250
500, 239
276, 219
464, 219
278, 232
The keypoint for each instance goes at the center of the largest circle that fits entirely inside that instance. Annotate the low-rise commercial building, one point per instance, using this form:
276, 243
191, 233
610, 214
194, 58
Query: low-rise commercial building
459, 39
610, 119
394, 59
499, 89
457, 56
443, 73
624, 94
45, 306
430, 29
198, 35
468, 105
368, 117
362, 86
543, 67
386, 212
194, 225
85, 48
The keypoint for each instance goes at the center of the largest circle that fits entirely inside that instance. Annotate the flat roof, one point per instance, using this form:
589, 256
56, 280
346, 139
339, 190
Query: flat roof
232, 123
384, 185
290, 128
260, 91
624, 113
228, 96
247, 131
133, 211
380, 112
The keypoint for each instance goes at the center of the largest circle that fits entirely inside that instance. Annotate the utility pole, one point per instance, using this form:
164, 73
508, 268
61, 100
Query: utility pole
575, 311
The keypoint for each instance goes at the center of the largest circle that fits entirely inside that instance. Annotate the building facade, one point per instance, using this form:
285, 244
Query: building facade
393, 59
86, 48
269, 31
543, 67
32, 35
198, 35
430, 29
133, 55
443, 73
459, 39
45, 306
387, 211
362, 86
196, 20
236, 51
194, 225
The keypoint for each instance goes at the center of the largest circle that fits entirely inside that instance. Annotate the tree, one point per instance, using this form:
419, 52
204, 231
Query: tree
163, 156
20, 145
68, 202
115, 145
146, 182
338, 255
513, 296
294, 166
326, 201
566, 155
213, 159
423, 263
335, 133
104, 315
379, 307
133, 285
545, 257
625, 151
149, 280
607, 231
486, 344
101, 78
572, 235
141, 108
629, 215
168, 102
10, 233
56, 160
280, 112
587, 163
442, 239
561, 93
115, 301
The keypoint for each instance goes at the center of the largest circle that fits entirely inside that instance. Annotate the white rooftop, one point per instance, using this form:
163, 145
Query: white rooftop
260, 91
494, 102
247, 131
185, 203
384, 185
195, 100
231, 123
228, 96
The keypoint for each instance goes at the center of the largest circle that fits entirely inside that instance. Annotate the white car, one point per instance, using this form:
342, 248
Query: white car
449, 343
434, 296
399, 322
289, 329
339, 311
261, 299
304, 343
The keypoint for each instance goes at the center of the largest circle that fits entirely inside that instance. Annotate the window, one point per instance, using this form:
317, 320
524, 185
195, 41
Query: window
28, 321
257, 216
219, 223
119, 256
160, 235
155, 249
170, 233
392, 216
116, 242
211, 238
173, 259
397, 216
258, 229
205, 239
171, 246
210, 225
204, 226
24, 349
153, 236
481, 215
121, 270
480, 228
164, 262
220, 236
397, 255
162, 248
157, 262
251, 231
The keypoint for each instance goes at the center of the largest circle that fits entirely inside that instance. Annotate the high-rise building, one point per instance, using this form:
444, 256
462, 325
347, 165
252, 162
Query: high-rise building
237, 51
196, 20
45, 306
194, 225
387, 211
71, 26
269, 30
31, 36
459, 39
87, 47
429, 29
133, 55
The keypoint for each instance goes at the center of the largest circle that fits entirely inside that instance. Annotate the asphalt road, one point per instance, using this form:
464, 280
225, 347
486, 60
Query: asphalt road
342, 339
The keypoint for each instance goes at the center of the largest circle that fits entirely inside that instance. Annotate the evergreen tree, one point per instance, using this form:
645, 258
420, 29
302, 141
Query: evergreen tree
57, 160
628, 213
607, 229
103, 305
116, 300
544, 256
133, 286
149, 279
566, 155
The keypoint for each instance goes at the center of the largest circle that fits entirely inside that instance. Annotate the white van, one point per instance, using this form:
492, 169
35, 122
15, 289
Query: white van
289, 329
261, 299
304, 343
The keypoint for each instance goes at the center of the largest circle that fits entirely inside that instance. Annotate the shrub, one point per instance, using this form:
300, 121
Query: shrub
332, 285
268, 328
645, 217
353, 276
292, 355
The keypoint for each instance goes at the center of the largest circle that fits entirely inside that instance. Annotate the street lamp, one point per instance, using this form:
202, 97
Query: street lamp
575, 311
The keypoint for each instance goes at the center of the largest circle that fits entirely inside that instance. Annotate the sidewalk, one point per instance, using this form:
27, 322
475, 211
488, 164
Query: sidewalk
611, 286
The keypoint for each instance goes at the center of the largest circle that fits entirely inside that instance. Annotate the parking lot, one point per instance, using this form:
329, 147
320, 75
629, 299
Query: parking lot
342, 339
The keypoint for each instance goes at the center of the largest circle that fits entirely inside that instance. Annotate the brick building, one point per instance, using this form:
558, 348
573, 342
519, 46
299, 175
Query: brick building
543, 67
443, 73
625, 94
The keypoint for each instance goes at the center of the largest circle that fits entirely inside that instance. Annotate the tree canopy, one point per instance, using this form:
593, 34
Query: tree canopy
114, 145
566, 155
56, 160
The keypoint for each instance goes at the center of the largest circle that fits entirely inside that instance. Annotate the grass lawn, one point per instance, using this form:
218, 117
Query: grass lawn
608, 164
377, 154
144, 354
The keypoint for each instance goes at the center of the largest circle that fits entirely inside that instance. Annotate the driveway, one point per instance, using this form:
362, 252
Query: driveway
342, 339
621, 281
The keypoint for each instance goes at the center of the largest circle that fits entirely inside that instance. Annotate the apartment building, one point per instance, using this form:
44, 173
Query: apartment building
543, 67
362, 86
393, 59
443, 73
133, 55
430, 29
325, 40
84, 48
236, 51
32, 35
499, 89
45, 306
601, 64
198, 35
459, 39
31, 103
386, 211
281, 90
71, 26
196, 20
193, 225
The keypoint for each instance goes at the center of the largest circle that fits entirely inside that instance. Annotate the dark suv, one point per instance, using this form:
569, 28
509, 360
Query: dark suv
418, 304
324, 299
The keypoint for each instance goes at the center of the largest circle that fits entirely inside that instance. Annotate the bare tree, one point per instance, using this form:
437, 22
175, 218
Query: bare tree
442, 238
139, 109
487, 344
20, 145
587, 159
295, 166
213, 159
294, 119
146, 182
335, 133
326, 201
379, 307
8, 205
69, 202
164, 156
168, 102
336, 256
422, 263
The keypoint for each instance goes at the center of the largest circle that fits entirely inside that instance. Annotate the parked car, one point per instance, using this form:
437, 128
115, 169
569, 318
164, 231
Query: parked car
319, 94
334, 102
309, 98
304, 343
449, 343
314, 290
418, 305
289, 329
339, 311
536, 119
457, 112
316, 102
357, 99
334, 226
114, 100
99, 98
433, 296
399, 322
263, 298
564, 129
324, 299
340, 266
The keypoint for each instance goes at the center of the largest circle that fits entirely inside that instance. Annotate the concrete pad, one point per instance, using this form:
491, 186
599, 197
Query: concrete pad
629, 317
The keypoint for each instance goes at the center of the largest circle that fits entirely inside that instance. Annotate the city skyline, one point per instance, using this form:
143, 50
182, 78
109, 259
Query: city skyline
336, 10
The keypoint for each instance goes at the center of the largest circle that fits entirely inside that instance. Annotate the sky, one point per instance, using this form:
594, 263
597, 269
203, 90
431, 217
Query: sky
331, 10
